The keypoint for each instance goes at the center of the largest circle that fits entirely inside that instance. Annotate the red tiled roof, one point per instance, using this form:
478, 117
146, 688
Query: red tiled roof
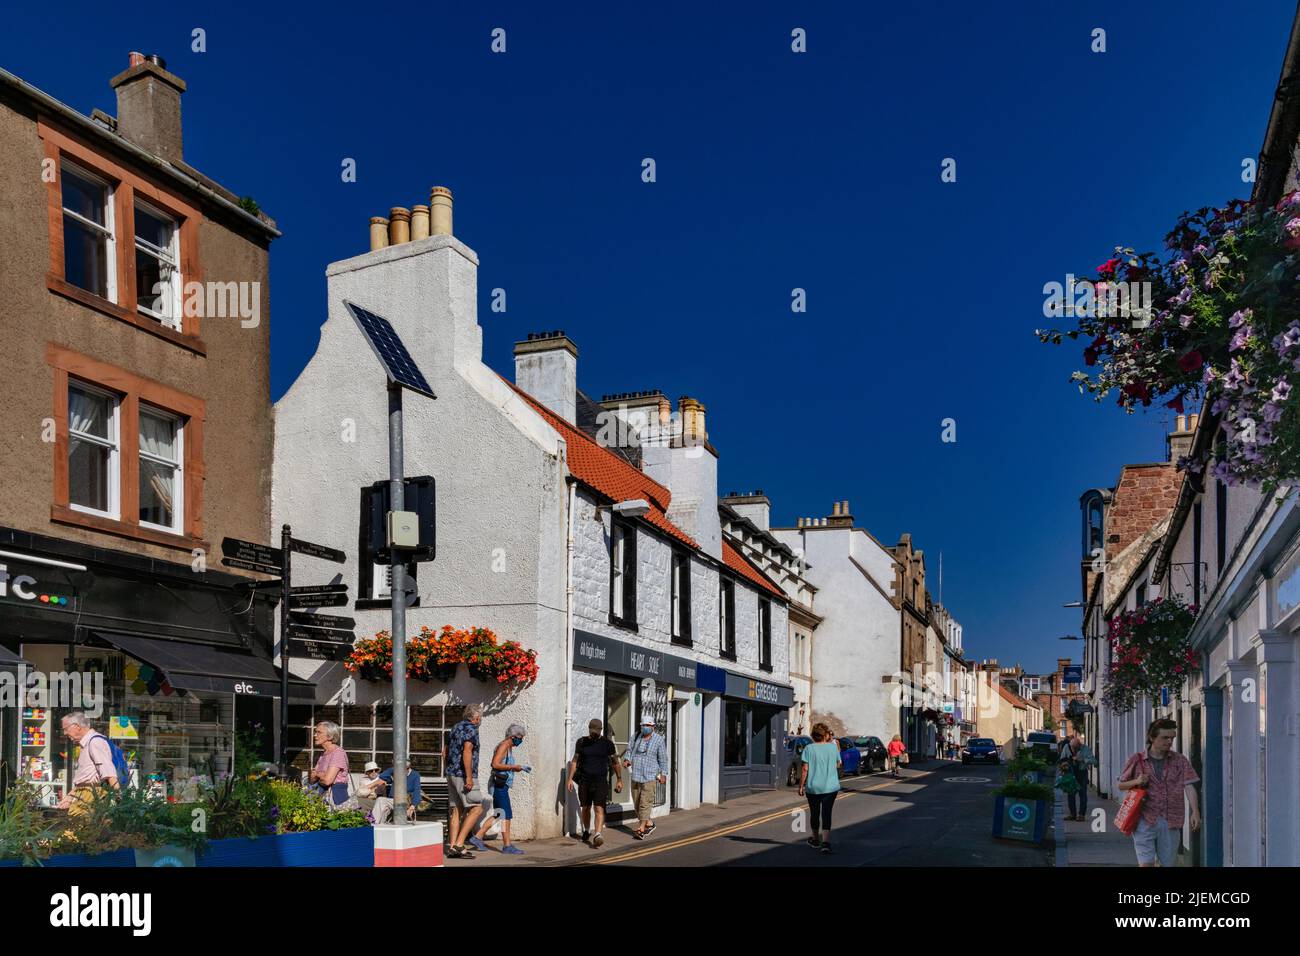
609, 474
737, 562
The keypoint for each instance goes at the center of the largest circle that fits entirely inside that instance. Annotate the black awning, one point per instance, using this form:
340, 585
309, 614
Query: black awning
190, 666
9, 658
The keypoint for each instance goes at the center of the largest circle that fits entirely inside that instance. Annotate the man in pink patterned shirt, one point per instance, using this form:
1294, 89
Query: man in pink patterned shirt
1168, 778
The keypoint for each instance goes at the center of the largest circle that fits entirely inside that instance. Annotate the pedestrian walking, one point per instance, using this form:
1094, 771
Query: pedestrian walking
330, 775
819, 781
647, 756
1168, 779
1076, 758
95, 770
505, 764
594, 757
895, 751
464, 797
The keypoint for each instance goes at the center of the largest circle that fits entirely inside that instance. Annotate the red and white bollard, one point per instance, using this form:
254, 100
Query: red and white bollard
416, 844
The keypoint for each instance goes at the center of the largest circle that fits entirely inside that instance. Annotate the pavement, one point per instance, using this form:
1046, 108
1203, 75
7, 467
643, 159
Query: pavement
938, 813
1095, 841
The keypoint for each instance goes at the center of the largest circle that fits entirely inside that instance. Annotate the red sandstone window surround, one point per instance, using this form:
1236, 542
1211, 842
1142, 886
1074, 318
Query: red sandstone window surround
128, 453
119, 244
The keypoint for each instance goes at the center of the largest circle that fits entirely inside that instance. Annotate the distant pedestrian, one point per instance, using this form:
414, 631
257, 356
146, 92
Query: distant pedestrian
819, 781
505, 764
895, 751
647, 756
385, 803
465, 799
1076, 759
1168, 778
593, 760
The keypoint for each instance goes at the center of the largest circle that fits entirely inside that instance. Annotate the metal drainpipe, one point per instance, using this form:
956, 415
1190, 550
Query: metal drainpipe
568, 619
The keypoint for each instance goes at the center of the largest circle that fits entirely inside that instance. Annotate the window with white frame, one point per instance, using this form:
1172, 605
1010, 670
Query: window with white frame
161, 479
94, 445
765, 634
157, 266
88, 246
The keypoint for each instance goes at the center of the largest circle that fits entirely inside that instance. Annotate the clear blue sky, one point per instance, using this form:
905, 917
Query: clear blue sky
775, 171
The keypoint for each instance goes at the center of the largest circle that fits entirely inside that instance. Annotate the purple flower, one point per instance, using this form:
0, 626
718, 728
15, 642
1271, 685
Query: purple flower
1184, 320
1220, 471
1272, 412
1220, 405
1281, 390
1293, 226
1200, 249
1238, 317
1239, 340
1291, 337
1183, 297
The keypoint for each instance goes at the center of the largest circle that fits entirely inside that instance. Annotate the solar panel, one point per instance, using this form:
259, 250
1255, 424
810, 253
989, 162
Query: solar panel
388, 347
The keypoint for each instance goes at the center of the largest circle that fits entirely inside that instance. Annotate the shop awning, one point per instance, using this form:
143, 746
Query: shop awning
10, 659
205, 667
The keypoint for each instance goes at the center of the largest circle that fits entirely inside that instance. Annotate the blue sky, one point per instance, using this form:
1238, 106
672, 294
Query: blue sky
775, 170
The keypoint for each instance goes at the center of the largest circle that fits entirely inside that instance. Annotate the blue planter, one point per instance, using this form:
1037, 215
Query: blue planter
354, 847
1017, 819
79, 860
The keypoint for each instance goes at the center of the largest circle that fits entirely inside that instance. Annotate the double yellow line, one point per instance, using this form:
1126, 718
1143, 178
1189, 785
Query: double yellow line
639, 853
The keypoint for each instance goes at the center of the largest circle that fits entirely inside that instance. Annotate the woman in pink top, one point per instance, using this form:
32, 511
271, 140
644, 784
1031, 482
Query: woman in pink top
1168, 778
331, 771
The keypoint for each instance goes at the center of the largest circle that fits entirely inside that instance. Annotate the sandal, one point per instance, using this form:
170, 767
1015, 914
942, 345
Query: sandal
826, 848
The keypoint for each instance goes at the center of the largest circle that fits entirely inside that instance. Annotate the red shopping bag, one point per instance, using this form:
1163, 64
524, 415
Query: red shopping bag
1129, 813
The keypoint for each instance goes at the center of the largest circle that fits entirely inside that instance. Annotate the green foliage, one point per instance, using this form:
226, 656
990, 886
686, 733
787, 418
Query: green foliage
298, 811
250, 206
1024, 791
132, 820
25, 832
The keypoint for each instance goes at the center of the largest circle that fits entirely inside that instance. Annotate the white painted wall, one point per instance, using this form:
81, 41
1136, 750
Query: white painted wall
858, 642
500, 490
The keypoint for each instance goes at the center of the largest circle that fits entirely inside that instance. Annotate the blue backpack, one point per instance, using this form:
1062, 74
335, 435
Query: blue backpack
120, 767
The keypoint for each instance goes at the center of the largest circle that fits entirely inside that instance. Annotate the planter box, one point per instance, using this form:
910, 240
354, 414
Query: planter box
80, 860
1018, 819
354, 847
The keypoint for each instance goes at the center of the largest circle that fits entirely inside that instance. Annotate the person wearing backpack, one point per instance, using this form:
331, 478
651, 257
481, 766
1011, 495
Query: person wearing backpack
97, 765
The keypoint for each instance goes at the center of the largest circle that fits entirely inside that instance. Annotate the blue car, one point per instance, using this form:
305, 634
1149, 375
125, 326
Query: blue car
981, 748
850, 756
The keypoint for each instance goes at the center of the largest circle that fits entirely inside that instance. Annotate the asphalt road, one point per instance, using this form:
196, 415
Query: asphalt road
943, 818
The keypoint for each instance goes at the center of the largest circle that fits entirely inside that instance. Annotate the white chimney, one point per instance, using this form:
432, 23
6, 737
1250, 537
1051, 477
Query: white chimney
546, 367
753, 505
688, 466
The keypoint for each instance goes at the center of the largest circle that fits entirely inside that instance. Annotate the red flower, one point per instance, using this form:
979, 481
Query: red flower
1191, 362
1107, 268
1090, 356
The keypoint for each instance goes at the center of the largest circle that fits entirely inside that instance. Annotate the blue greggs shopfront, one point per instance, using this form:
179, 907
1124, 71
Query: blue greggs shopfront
753, 730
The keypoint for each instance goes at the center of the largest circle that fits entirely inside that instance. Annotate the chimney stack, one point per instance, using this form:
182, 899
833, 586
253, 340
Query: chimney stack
753, 505
840, 517
546, 367
149, 106
399, 226
1179, 441
419, 223
692, 415
378, 233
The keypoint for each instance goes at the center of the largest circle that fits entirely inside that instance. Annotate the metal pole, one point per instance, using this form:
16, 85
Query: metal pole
285, 591
397, 592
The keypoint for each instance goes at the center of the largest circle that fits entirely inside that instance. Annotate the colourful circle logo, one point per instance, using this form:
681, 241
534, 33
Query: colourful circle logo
1018, 812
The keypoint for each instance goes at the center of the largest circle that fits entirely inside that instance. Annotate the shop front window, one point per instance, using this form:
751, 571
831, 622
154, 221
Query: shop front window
735, 747
761, 737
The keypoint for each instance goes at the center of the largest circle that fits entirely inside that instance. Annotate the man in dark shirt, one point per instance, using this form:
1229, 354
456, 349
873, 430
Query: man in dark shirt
464, 797
593, 759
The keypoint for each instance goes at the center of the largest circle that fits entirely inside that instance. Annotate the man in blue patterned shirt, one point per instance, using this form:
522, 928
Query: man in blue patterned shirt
462, 787
647, 755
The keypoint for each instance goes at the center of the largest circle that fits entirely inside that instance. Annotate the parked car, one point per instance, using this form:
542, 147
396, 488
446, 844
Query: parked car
795, 745
981, 748
850, 757
1043, 744
874, 754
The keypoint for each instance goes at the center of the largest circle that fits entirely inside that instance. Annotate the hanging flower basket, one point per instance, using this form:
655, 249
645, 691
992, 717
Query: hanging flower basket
435, 655
1150, 650
1219, 318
